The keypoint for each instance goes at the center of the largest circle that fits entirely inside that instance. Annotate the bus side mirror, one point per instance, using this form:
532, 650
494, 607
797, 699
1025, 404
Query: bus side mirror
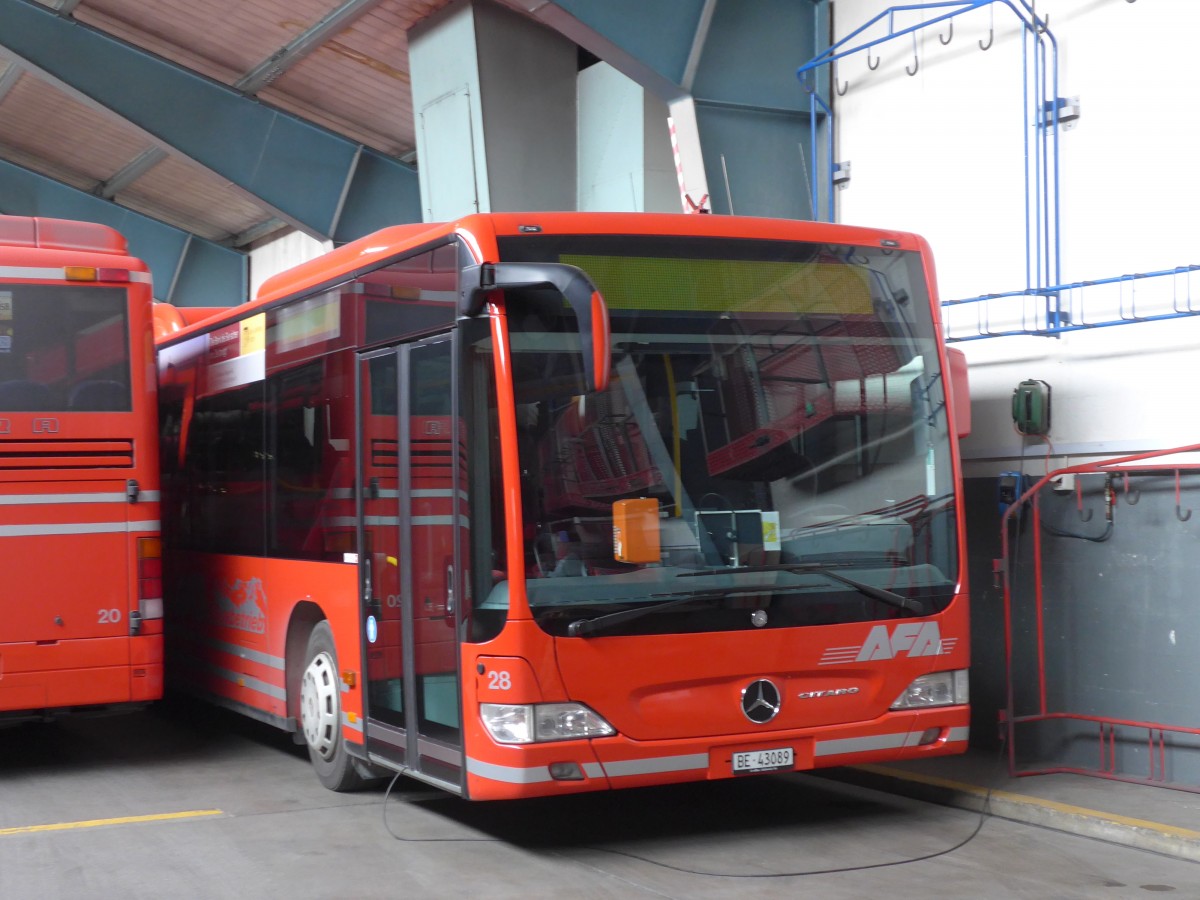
591, 312
960, 392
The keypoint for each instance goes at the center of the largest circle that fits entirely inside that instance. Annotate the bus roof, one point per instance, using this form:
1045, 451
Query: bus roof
40, 233
481, 230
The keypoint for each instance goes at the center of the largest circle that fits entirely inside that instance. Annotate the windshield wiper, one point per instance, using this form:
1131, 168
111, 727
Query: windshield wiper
586, 626
581, 627
883, 595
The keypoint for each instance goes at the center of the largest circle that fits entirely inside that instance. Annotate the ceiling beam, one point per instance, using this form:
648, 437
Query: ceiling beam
131, 172
315, 180
698, 41
8, 80
301, 46
256, 232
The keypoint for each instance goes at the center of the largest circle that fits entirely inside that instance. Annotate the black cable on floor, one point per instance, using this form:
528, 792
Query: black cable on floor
984, 812
411, 840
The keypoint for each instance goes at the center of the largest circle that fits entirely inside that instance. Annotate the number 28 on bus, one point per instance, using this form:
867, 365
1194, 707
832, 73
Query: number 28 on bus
534, 504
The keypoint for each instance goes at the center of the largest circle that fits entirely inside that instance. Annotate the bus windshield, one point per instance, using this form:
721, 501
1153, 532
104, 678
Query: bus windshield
777, 409
63, 348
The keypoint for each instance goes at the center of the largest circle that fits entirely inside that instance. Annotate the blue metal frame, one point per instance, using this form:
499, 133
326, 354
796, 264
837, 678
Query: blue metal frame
1073, 316
815, 100
1042, 198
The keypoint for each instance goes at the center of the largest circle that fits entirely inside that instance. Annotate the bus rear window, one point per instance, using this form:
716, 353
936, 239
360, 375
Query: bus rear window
63, 348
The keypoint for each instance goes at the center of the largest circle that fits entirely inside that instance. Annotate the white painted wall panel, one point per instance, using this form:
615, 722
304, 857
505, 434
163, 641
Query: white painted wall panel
942, 153
283, 253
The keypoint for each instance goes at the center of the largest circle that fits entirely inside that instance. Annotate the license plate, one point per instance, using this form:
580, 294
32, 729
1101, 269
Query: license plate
773, 760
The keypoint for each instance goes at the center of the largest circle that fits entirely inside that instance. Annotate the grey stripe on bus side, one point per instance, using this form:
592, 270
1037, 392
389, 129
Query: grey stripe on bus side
48, 529
53, 499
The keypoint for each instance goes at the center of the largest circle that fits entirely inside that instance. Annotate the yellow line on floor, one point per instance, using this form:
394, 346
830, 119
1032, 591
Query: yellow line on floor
123, 820
1054, 805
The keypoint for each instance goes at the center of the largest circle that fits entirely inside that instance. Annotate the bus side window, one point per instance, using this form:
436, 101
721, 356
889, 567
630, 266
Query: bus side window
226, 491
311, 471
311, 466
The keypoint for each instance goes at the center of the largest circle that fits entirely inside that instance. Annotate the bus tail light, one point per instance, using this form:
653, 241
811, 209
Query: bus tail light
936, 689
92, 273
533, 723
150, 593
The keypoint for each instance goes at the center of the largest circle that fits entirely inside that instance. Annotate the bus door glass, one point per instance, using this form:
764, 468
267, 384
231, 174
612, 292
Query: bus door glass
413, 511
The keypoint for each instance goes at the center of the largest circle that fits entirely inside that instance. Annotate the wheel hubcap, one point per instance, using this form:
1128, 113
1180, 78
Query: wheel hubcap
319, 705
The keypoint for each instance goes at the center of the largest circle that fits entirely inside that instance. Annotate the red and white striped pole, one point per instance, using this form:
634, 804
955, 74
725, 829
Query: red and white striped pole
689, 205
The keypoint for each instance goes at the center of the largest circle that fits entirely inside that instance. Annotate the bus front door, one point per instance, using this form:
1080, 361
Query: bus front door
413, 508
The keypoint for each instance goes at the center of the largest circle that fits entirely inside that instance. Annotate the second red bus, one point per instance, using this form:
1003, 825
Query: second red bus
81, 608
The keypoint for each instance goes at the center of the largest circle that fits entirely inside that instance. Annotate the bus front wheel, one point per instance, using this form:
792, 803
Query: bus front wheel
321, 713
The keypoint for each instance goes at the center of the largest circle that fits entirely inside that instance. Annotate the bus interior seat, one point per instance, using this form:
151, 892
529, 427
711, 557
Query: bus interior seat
100, 395
22, 395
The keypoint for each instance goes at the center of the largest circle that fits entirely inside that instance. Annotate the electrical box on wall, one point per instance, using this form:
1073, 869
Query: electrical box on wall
1031, 407
1009, 489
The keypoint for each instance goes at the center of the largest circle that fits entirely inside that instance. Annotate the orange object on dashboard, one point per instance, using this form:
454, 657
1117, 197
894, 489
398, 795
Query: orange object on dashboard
635, 531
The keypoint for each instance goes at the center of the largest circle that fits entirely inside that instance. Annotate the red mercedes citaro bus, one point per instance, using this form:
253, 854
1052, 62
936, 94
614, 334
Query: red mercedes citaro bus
81, 607
535, 504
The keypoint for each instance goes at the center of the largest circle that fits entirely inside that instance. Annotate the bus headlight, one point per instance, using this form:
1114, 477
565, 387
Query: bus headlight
937, 689
536, 722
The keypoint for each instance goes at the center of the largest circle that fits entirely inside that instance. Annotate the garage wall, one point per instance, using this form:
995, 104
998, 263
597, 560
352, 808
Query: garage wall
942, 152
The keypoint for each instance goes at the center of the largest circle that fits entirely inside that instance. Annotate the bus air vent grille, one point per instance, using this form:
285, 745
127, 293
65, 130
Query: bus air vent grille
65, 454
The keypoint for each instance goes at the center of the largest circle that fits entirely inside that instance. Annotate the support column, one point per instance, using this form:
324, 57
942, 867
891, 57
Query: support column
625, 160
495, 109
728, 71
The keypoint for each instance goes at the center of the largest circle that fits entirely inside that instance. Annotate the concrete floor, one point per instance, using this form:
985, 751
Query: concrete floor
255, 823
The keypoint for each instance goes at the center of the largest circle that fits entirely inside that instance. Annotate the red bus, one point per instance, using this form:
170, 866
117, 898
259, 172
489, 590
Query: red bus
535, 504
81, 610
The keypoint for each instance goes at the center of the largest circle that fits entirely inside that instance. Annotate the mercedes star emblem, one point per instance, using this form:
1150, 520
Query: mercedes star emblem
760, 701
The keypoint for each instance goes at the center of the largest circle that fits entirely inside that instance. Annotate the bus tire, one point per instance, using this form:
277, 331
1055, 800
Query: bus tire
321, 713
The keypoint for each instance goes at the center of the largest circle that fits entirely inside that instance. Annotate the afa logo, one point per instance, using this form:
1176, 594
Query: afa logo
242, 605
906, 639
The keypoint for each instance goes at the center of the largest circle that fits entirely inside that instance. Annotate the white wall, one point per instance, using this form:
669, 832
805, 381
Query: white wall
942, 153
281, 253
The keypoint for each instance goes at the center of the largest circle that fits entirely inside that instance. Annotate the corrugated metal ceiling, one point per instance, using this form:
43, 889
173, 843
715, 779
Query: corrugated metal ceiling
341, 64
